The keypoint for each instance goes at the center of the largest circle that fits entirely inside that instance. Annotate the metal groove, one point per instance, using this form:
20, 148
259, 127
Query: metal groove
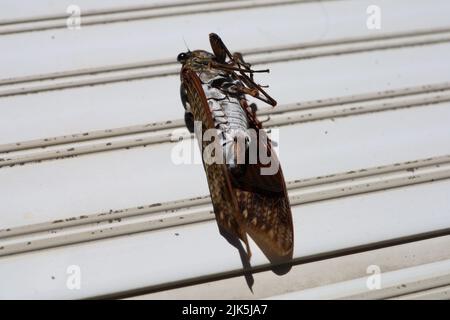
169, 67
179, 123
108, 11
163, 215
392, 242
139, 13
435, 293
164, 132
247, 52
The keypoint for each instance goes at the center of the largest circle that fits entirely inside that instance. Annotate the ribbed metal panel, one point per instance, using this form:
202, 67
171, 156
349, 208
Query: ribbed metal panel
90, 119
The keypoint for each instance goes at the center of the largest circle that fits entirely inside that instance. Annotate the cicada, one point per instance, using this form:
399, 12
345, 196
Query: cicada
246, 200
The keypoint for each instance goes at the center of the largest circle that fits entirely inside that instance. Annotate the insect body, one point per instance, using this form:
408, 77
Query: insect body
224, 103
245, 199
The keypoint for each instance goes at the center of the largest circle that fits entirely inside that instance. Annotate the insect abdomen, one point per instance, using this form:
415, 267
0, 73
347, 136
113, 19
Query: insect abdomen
231, 122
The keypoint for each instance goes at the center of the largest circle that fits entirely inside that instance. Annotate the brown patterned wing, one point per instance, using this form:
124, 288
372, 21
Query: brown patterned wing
264, 203
268, 222
223, 197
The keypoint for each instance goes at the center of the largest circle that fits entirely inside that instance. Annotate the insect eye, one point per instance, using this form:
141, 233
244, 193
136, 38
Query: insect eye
182, 57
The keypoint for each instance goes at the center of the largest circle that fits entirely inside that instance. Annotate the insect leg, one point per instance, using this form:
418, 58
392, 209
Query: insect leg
184, 98
188, 116
254, 108
221, 52
189, 121
239, 60
254, 90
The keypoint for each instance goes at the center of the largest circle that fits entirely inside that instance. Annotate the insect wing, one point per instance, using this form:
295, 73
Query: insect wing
223, 196
219, 49
264, 201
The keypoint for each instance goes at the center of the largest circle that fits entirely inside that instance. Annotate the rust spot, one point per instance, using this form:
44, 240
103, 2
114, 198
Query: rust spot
154, 205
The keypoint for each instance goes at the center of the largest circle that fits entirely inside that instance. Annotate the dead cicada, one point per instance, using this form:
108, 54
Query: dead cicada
248, 196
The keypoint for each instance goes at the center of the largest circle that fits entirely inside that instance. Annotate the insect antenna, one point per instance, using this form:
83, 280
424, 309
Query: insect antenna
185, 43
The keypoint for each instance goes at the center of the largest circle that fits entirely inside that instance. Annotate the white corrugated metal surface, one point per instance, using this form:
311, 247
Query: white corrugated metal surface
90, 117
